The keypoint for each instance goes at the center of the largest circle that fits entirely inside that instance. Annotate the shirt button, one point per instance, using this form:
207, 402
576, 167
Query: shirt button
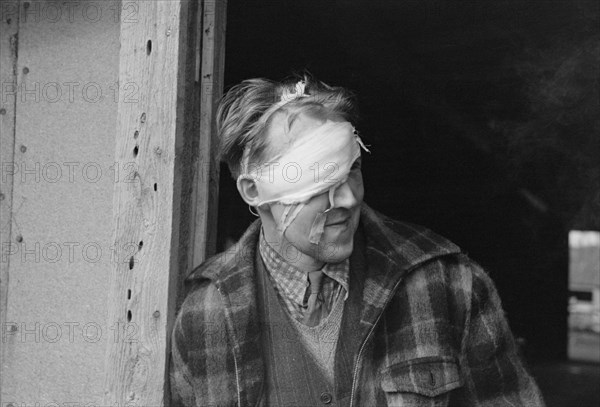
326, 398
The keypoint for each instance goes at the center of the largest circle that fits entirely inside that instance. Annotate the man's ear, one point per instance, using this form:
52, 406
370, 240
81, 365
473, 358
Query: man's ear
248, 191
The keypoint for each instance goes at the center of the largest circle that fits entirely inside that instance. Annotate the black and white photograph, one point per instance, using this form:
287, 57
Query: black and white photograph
299, 203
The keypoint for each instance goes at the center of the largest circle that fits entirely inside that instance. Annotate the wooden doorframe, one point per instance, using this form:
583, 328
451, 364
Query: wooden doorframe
165, 219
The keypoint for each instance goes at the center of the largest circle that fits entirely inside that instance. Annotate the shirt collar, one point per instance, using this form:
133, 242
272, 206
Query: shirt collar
294, 281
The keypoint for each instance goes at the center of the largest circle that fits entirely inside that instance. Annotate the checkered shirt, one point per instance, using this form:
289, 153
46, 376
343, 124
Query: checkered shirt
291, 283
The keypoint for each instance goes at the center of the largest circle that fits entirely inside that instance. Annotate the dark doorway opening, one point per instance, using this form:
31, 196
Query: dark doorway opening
459, 102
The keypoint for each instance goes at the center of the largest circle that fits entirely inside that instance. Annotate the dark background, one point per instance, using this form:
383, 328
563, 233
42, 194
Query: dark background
483, 119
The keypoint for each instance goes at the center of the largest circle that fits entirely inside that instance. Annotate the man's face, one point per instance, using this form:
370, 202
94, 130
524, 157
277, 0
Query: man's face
336, 243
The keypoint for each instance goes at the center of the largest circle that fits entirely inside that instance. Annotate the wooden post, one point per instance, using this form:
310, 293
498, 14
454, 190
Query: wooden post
8, 80
9, 23
154, 74
206, 176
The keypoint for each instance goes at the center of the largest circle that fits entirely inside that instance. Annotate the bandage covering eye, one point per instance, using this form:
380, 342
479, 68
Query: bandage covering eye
318, 160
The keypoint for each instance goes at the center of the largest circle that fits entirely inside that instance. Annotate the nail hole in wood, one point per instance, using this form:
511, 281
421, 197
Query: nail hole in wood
143, 118
148, 47
131, 263
140, 245
155, 186
136, 134
128, 294
136, 149
129, 316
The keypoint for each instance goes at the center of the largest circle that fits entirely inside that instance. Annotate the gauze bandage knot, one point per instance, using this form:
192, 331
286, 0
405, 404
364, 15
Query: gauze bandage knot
319, 160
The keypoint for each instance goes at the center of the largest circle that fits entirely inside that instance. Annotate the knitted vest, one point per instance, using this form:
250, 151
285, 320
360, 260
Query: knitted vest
292, 378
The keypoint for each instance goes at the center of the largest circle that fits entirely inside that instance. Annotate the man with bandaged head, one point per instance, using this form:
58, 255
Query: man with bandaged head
324, 301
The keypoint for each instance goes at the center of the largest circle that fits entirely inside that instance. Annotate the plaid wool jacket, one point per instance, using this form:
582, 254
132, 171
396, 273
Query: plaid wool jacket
432, 330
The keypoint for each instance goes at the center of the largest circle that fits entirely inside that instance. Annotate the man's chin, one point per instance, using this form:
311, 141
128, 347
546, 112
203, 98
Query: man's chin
336, 252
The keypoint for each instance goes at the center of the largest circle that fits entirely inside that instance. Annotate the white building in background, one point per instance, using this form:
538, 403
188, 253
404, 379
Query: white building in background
584, 280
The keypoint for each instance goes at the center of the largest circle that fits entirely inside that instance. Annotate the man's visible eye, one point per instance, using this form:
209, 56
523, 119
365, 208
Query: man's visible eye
356, 165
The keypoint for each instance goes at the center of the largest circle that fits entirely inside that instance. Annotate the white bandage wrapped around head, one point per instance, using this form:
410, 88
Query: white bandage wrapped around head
318, 160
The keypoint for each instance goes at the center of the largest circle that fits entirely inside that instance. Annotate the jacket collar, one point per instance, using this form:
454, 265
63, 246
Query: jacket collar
392, 249
399, 247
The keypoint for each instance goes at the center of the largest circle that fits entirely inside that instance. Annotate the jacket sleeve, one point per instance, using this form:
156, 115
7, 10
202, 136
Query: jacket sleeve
202, 368
182, 393
493, 371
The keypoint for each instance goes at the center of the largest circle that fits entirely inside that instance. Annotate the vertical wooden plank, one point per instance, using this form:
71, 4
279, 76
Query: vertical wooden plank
150, 133
206, 176
9, 23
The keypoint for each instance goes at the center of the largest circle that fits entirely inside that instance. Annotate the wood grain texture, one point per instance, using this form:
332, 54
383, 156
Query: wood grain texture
9, 23
206, 173
150, 132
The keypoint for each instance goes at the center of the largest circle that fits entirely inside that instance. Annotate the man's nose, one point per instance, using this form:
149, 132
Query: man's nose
345, 196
